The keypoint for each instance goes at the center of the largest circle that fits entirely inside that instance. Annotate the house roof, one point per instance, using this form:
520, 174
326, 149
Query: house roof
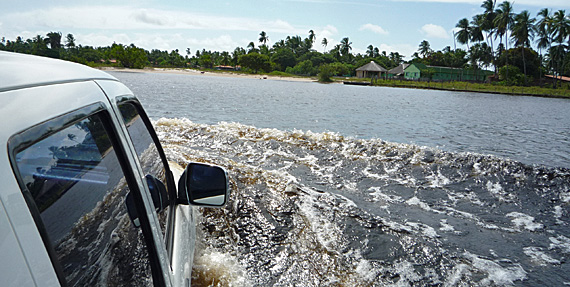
562, 78
372, 67
398, 70
450, 70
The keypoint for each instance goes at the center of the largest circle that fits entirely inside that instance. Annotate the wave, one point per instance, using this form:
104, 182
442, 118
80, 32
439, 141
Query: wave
322, 209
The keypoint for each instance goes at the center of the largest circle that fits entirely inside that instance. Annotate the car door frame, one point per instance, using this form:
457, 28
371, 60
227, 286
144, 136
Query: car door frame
180, 229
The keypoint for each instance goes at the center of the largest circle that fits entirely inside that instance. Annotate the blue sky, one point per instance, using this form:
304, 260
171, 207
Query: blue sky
392, 26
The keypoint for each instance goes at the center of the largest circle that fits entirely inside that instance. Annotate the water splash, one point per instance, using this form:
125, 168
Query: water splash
324, 210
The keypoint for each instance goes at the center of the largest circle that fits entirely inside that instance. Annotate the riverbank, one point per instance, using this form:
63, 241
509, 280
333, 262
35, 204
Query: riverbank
211, 73
533, 91
442, 86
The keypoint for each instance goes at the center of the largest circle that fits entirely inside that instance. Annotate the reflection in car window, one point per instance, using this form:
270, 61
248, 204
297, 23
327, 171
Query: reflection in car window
147, 153
77, 184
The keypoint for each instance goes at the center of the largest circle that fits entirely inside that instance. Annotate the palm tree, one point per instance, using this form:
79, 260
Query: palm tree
489, 17
325, 42
523, 32
336, 51
503, 22
251, 47
225, 58
543, 29
477, 25
263, 37
370, 51
294, 43
70, 41
464, 33
279, 44
560, 33
38, 45
345, 46
489, 26
560, 26
312, 36
424, 49
396, 58
238, 51
54, 40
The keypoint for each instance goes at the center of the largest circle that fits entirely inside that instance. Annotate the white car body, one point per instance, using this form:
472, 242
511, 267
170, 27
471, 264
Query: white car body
33, 92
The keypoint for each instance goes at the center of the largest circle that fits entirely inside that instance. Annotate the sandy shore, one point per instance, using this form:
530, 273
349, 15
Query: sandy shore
205, 73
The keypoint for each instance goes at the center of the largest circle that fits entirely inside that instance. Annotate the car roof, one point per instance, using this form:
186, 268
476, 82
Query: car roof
20, 71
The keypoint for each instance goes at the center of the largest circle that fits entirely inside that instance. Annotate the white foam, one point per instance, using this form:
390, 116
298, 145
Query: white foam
525, 221
565, 196
562, 242
539, 257
497, 190
366, 172
458, 272
445, 227
438, 180
378, 195
416, 201
424, 229
558, 212
213, 268
326, 232
496, 273
407, 273
365, 270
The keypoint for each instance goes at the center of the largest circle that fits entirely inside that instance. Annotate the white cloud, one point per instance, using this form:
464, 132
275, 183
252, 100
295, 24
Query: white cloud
146, 28
434, 31
328, 31
129, 18
221, 43
373, 28
405, 50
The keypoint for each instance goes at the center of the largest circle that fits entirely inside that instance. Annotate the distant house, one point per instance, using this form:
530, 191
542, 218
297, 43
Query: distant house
370, 70
397, 72
416, 71
559, 78
226, 68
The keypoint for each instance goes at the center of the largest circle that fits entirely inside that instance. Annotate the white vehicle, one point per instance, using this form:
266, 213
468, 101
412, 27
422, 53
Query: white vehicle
88, 197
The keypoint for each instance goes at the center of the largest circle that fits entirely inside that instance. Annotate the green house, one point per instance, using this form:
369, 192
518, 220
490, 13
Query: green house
416, 71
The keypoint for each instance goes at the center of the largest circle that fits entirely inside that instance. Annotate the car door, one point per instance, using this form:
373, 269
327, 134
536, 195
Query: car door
176, 222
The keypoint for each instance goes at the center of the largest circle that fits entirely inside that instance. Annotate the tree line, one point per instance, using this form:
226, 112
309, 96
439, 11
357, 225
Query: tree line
549, 31
519, 64
293, 55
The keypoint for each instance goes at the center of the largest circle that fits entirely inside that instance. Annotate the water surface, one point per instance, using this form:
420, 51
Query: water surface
528, 129
336, 185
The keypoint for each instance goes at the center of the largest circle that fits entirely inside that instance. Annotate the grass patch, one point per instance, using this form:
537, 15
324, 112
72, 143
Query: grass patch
563, 92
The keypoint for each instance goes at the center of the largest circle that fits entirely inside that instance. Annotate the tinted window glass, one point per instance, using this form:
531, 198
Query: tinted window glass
149, 158
77, 184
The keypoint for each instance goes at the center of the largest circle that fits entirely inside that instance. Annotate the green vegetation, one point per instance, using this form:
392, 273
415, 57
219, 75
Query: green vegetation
563, 92
519, 65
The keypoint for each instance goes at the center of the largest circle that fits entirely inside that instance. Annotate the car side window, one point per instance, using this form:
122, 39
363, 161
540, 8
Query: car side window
76, 181
149, 158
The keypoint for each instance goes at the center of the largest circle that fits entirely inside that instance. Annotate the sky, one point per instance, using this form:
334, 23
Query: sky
222, 25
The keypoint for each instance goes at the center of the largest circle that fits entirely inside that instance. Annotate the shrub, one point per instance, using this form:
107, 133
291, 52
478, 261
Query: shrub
325, 73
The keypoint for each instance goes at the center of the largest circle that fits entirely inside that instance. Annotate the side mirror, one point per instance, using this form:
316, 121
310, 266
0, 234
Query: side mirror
204, 185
